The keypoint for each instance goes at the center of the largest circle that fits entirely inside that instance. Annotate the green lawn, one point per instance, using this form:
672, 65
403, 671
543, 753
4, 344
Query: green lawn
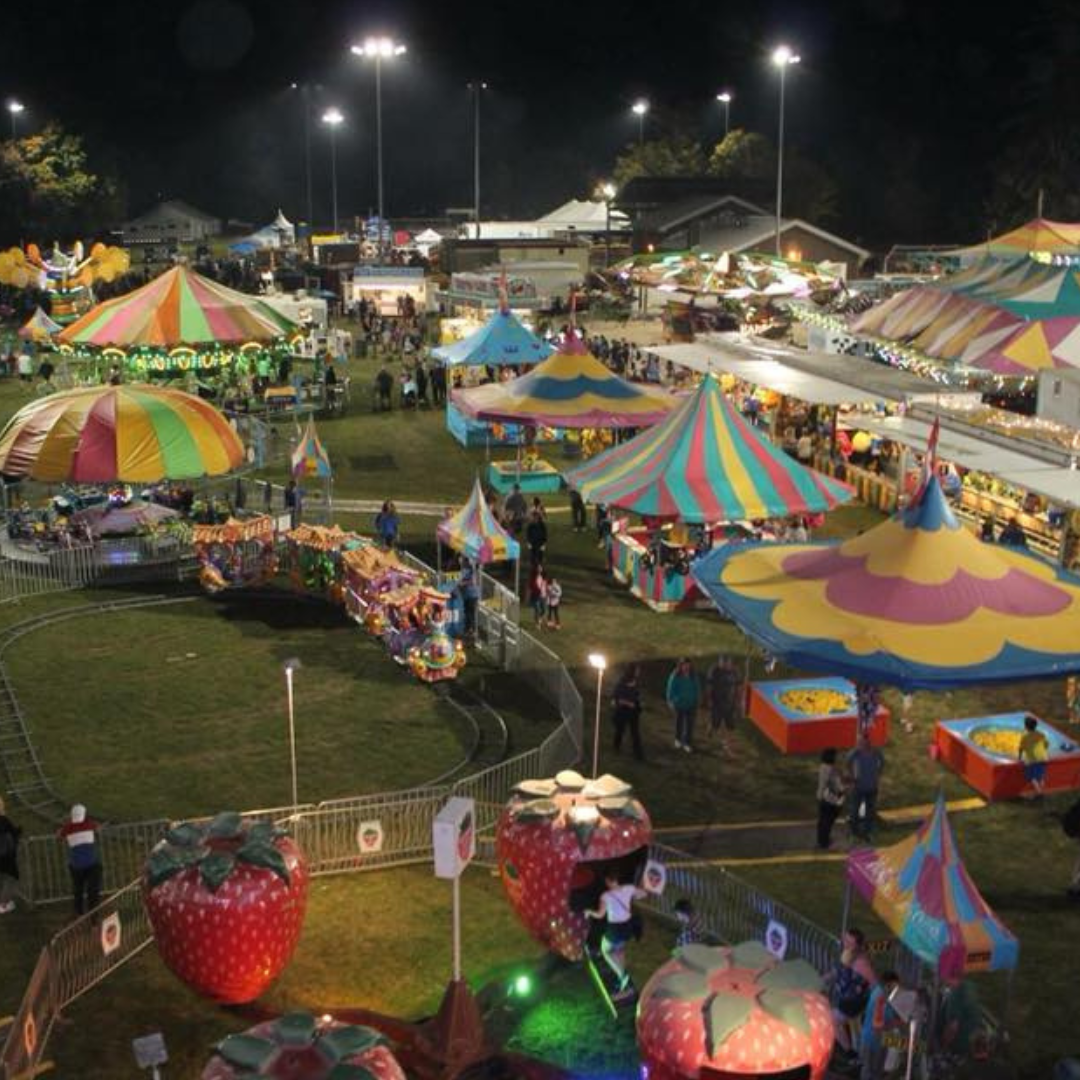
147, 735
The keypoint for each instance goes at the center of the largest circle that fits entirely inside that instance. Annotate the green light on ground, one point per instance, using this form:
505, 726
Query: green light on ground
522, 986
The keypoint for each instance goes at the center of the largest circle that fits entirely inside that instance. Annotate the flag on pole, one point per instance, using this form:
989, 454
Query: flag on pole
309, 458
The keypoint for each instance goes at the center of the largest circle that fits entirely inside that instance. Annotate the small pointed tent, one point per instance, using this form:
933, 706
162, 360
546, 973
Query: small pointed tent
921, 890
915, 602
500, 341
474, 532
705, 463
310, 458
39, 327
571, 389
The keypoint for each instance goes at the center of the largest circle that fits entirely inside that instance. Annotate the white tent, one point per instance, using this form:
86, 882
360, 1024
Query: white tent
580, 215
427, 240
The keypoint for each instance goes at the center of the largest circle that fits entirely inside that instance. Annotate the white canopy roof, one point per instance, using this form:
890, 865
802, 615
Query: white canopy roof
584, 216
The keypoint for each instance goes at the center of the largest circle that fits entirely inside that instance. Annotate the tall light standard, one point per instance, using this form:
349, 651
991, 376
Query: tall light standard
477, 88
291, 665
305, 100
607, 191
332, 118
725, 98
379, 49
15, 108
640, 108
783, 58
599, 662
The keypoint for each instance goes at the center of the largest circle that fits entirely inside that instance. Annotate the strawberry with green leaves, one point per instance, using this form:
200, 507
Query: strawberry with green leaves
736, 1011
299, 1047
226, 901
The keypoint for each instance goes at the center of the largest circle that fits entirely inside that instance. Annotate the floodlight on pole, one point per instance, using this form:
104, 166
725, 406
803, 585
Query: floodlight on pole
379, 49
333, 118
477, 89
783, 57
725, 98
292, 665
599, 662
16, 109
640, 109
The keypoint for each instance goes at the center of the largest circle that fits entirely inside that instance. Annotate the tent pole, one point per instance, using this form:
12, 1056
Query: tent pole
846, 914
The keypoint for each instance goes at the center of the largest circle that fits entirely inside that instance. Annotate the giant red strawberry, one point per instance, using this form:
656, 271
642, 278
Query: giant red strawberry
299, 1047
737, 1012
226, 901
555, 839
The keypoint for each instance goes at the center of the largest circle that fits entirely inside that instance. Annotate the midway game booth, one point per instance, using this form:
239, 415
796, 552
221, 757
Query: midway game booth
181, 323
93, 443
569, 390
501, 343
701, 478
917, 602
921, 890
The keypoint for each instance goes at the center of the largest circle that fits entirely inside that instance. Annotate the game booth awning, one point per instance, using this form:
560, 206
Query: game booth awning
705, 463
570, 389
132, 433
916, 602
180, 320
921, 890
502, 340
474, 532
39, 327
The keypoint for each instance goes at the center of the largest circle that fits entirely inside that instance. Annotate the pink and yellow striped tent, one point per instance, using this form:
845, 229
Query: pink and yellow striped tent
475, 533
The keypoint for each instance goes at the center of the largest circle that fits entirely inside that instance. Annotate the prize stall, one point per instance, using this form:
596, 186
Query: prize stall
569, 390
985, 751
500, 343
701, 478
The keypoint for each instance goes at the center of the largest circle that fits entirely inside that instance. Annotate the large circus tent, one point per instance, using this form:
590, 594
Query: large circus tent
181, 321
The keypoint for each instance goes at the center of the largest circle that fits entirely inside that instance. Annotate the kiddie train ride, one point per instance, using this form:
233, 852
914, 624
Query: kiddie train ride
390, 600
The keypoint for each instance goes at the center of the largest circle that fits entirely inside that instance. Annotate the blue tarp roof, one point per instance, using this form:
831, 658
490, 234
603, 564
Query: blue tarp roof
501, 340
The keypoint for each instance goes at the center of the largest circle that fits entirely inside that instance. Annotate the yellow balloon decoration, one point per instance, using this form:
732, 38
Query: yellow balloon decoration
861, 442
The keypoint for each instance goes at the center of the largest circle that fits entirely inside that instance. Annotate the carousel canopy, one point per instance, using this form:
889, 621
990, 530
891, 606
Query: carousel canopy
571, 389
501, 340
179, 307
705, 463
474, 532
922, 892
39, 327
917, 602
133, 433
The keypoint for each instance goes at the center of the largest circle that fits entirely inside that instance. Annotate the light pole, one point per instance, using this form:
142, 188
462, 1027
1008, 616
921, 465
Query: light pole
332, 118
379, 49
783, 57
15, 108
291, 665
477, 88
599, 662
607, 190
640, 108
725, 99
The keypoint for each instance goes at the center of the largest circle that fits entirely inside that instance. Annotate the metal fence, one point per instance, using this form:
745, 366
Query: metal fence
33, 573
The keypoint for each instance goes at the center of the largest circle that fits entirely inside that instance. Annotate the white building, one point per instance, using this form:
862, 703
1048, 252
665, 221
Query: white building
1059, 396
172, 220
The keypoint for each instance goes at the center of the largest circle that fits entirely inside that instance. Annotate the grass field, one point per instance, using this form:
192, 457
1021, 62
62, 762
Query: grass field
148, 735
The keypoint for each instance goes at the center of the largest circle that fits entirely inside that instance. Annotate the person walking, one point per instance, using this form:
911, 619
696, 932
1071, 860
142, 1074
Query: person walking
438, 384
80, 835
682, 696
536, 535
865, 765
1034, 751
387, 524
577, 510
722, 692
469, 590
626, 698
830, 797
10, 834
616, 909
538, 594
515, 509
554, 599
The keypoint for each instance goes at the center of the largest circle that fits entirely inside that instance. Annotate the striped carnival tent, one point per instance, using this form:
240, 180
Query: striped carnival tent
1039, 235
570, 389
474, 532
705, 463
922, 891
39, 327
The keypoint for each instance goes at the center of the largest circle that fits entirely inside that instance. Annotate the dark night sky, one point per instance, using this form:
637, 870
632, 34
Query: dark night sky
191, 98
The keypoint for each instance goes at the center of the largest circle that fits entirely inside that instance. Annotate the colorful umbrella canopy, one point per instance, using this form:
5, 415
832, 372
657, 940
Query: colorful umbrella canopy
179, 307
474, 532
39, 327
705, 463
570, 389
917, 601
501, 340
922, 892
134, 433
309, 458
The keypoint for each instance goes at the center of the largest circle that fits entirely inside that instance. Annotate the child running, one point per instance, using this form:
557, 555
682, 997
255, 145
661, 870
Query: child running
1034, 751
554, 598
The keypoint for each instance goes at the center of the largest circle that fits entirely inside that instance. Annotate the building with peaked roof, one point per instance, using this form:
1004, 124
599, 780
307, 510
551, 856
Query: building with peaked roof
172, 220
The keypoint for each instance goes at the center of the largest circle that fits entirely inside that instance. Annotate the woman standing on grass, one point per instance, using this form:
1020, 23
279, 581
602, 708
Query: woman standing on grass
831, 795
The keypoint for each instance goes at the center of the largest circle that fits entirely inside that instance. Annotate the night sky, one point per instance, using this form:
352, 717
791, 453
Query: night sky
907, 104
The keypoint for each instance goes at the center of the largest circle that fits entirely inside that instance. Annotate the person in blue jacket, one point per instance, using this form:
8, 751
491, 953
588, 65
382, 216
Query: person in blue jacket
682, 695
